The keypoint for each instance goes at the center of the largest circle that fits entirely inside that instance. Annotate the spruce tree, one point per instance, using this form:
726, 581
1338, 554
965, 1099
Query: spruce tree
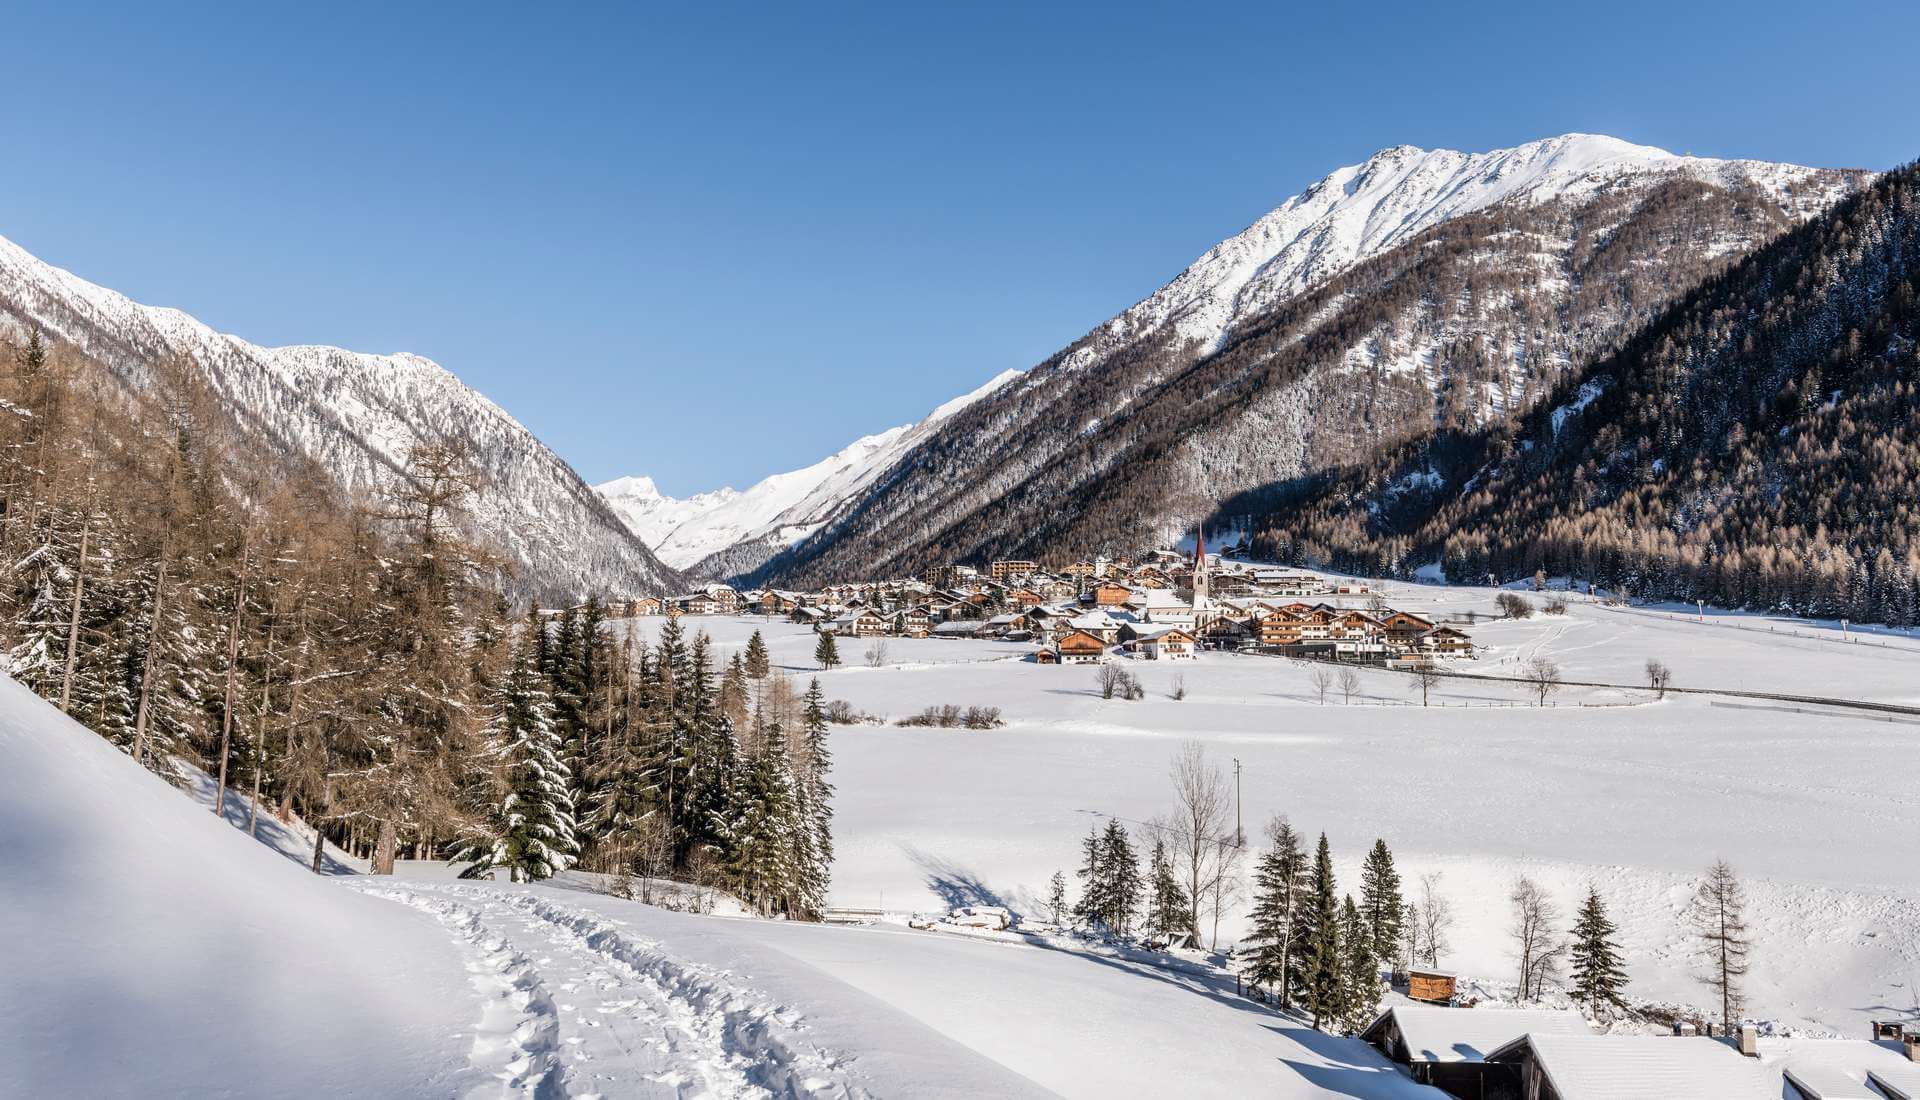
1092, 875
1325, 976
1057, 899
1122, 890
815, 800
758, 664
533, 826
826, 653
761, 830
1598, 974
1168, 914
1382, 904
1360, 992
1280, 889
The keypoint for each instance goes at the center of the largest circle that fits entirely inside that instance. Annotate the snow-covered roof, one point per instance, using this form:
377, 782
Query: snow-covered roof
1838, 1069
1603, 1067
1436, 1034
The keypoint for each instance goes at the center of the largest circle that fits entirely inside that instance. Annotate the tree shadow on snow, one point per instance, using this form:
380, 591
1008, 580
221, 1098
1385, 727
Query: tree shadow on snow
953, 884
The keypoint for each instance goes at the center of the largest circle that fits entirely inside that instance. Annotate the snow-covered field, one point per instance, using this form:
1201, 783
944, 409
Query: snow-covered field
1606, 786
155, 951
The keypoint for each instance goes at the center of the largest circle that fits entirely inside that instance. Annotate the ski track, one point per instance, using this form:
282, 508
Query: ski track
573, 1006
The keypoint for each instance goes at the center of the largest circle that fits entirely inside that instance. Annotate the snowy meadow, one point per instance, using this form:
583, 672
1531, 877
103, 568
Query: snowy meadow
1608, 787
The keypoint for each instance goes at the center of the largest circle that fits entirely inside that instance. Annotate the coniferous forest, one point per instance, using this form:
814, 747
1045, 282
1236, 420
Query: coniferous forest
354, 661
1755, 446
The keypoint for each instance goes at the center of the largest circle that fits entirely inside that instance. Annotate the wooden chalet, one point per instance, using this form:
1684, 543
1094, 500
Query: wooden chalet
1077, 647
1445, 641
1112, 595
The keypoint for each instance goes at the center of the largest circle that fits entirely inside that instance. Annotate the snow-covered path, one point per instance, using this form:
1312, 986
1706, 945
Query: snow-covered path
574, 1004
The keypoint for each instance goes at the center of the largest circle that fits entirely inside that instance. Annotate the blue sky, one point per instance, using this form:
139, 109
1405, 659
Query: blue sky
711, 245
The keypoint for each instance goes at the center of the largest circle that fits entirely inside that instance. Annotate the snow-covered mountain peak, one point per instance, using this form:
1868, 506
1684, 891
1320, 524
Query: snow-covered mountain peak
775, 512
357, 415
1364, 209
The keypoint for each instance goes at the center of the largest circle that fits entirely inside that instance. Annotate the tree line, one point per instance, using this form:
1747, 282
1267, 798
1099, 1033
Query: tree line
353, 660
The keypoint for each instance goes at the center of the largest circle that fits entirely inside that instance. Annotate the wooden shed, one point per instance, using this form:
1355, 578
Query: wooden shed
1429, 985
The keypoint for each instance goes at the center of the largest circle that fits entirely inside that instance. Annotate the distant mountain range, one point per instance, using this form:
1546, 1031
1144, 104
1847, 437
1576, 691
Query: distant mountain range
356, 415
728, 531
1418, 296
1419, 289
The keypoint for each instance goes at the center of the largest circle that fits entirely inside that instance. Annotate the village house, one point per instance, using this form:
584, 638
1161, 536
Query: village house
1168, 644
645, 605
915, 622
1112, 595
867, 624
1445, 641
1078, 647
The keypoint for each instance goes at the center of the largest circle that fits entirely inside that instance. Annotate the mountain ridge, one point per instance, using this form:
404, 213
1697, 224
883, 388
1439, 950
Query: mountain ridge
1057, 461
355, 414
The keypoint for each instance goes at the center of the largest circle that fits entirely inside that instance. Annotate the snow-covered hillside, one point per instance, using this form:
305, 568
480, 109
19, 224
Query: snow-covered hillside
154, 950
355, 415
733, 531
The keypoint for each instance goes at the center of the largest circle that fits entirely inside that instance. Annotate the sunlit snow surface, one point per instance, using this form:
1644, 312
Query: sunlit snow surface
1631, 795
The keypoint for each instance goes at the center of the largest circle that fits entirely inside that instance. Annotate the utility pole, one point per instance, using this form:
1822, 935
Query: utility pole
1239, 831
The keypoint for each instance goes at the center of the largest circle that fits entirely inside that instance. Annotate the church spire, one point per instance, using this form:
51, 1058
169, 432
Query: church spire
1200, 586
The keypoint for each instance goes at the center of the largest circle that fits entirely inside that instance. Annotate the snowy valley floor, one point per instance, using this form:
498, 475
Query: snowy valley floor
158, 951
1606, 786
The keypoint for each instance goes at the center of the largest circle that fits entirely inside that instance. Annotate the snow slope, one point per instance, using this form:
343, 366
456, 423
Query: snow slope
153, 951
356, 416
1607, 787
773, 513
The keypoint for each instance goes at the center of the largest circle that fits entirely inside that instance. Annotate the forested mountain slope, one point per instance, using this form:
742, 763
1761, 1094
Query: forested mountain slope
355, 416
1755, 446
1416, 289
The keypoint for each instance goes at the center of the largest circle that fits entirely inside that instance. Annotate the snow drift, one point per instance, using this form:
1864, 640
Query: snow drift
154, 951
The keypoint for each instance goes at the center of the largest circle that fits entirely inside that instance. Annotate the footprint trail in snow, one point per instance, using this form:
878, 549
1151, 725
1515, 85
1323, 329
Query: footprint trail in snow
574, 1006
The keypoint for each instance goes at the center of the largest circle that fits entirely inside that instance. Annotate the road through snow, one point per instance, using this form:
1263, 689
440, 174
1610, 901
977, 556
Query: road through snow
574, 1004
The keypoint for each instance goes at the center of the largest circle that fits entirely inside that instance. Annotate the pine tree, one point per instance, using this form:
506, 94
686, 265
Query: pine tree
758, 664
1092, 875
1122, 890
1168, 913
761, 829
1280, 891
1381, 902
1598, 976
1325, 975
533, 837
826, 654
1360, 989
1057, 899
815, 802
